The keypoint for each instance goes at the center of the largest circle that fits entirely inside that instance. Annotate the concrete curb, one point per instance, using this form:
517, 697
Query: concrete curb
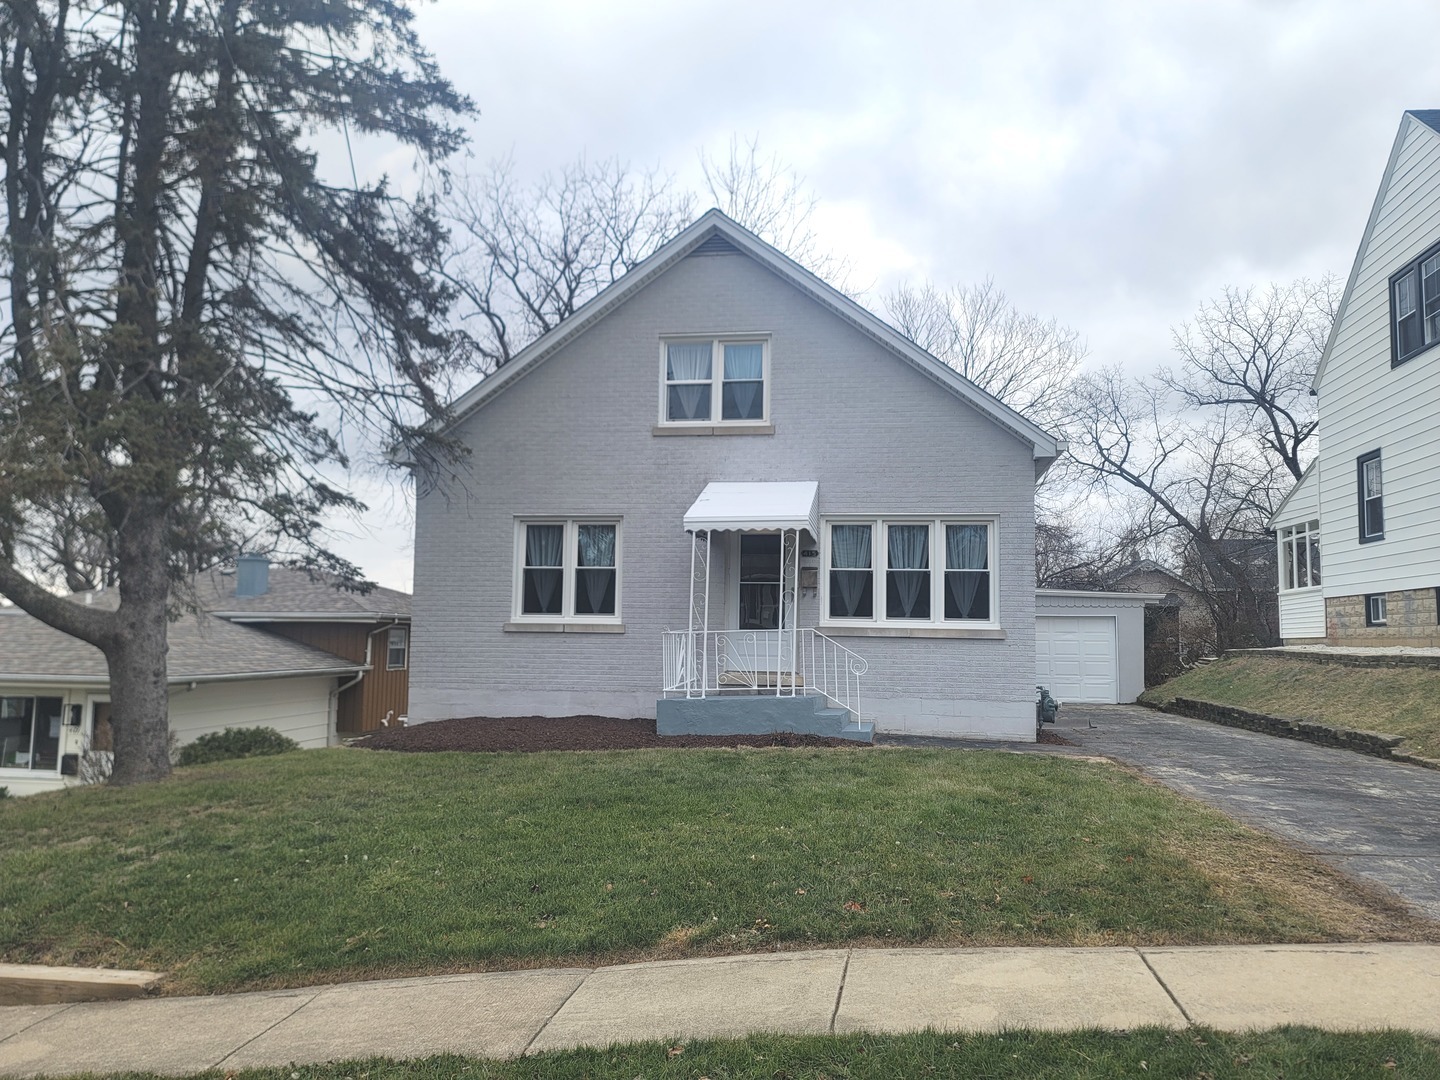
514, 1013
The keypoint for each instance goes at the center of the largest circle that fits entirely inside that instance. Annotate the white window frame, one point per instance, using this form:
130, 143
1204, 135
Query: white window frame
390, 648
569, 562
879, 569
1293, 538
1376, 612
717, 378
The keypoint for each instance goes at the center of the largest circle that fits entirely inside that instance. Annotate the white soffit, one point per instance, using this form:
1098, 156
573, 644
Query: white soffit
788, 504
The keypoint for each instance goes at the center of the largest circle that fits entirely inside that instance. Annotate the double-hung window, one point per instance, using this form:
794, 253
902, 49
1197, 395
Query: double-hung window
1415, 307
910, 572
715, 381
1371, 493
30, 732
1300, 556
567, 570
397, 648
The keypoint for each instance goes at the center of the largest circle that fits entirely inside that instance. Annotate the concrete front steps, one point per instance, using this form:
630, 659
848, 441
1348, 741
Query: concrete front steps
759, 714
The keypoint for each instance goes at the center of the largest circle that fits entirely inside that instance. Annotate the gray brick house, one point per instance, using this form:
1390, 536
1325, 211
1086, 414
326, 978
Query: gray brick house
725, 493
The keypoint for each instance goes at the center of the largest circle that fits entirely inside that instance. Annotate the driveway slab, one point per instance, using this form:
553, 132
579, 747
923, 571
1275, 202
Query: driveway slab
1337, 987
16, 1018
1375, 819
491, 1015
699, 999
166, 1035
979, 990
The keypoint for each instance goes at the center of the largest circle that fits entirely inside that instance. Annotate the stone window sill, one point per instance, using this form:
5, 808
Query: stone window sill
973, 633
714, 429
563, 628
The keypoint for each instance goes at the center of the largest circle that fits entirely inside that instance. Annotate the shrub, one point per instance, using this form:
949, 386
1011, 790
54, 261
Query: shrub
236, 743
4, 792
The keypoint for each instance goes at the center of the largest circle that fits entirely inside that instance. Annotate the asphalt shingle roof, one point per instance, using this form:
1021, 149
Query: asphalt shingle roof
1429, 117
201, 647
291, 592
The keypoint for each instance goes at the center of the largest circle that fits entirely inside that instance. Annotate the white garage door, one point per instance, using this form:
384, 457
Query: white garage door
1075, 657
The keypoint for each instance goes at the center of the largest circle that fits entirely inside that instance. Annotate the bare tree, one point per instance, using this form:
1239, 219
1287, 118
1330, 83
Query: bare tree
1209, 487
527, 256
1026, 361
1257, 350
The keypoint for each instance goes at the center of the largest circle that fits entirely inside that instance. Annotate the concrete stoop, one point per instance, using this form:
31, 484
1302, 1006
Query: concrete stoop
759, 714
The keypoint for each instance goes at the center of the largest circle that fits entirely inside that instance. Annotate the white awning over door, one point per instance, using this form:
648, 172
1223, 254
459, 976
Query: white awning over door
788, 504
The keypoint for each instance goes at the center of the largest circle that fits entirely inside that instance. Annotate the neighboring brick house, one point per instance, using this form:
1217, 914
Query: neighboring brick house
724, 493
1192, 627
1370, 502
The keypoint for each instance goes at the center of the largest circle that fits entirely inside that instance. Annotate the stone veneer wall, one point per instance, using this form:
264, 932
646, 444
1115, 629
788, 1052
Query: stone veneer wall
1411, 620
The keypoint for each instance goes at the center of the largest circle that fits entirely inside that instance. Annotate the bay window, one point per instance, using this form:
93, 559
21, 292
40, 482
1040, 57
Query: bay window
935, 573
1300, 556
567, 570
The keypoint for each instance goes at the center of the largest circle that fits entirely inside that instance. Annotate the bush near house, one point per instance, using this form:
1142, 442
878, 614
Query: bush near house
332, 864
234, 743
1394, 700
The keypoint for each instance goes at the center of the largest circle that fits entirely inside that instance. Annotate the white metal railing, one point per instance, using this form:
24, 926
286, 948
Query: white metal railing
786, 663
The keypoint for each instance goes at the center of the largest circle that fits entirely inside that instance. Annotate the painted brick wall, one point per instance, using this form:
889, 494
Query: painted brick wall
574, 437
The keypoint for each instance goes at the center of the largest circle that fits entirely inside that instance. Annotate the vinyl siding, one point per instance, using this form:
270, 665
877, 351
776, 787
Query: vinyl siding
298, 708
1302, 613
573, 437
1365, 405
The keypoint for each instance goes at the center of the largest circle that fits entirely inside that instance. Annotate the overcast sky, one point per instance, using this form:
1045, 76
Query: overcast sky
1111, 164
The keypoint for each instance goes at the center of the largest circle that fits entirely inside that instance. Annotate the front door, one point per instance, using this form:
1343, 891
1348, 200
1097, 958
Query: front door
759, 582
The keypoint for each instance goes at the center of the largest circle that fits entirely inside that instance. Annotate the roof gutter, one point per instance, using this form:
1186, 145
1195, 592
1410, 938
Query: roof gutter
312, 616
181, 680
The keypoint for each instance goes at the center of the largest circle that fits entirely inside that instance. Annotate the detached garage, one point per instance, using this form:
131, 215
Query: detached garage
1090, 646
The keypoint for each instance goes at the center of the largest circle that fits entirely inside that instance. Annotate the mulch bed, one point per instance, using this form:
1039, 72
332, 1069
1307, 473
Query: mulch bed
1048, 736
528, 733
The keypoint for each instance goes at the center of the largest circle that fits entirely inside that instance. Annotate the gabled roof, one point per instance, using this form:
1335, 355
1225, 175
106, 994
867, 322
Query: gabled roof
1429, 120
714, 224
1279, 511
203, 648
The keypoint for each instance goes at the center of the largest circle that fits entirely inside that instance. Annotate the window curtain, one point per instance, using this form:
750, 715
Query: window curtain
909, 549
688, 364
967, 550
596, 570
544, 555
744, 389
850, 566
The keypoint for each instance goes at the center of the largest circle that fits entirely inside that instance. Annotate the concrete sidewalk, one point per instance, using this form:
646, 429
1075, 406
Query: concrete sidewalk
505, 1014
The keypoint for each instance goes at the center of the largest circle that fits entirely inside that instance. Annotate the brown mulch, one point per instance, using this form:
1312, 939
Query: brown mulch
529, 733
1048, 736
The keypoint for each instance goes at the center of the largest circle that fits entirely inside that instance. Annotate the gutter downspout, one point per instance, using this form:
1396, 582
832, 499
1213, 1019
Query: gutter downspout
369, 648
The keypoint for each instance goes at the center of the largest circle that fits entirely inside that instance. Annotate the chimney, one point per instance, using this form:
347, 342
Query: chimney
252, 576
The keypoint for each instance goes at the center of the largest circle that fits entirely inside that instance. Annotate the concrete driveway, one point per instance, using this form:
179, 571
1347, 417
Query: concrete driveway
1374, 819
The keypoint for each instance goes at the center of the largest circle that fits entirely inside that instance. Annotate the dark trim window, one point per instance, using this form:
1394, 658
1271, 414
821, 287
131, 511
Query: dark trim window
30, 732
397, 649
1415, 307
1370, 491
1375, 609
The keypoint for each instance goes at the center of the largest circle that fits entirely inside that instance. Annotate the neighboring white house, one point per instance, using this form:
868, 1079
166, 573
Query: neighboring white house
55, 699
723, 485
1371, 499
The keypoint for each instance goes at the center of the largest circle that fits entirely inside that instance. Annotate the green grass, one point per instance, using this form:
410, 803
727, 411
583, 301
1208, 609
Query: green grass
1193, 1054
1398, 701
323, 865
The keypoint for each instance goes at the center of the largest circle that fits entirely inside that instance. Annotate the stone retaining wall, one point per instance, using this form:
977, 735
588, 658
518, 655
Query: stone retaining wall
1366, 742
1378, 660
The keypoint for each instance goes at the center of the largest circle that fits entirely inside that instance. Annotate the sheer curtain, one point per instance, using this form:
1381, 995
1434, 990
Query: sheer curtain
687, 370
850, 571
544, 556
967, 577
596, 570
743, 395
909, 550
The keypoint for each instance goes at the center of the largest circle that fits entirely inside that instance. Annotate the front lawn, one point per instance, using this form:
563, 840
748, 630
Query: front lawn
330, 864
1293, 1053
1397, 701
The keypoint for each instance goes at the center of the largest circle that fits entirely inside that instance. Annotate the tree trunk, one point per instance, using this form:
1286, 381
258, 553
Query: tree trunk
139, 691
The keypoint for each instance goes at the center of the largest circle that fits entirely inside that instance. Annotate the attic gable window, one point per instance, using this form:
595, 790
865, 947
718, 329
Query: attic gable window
714, 381
1415, 307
